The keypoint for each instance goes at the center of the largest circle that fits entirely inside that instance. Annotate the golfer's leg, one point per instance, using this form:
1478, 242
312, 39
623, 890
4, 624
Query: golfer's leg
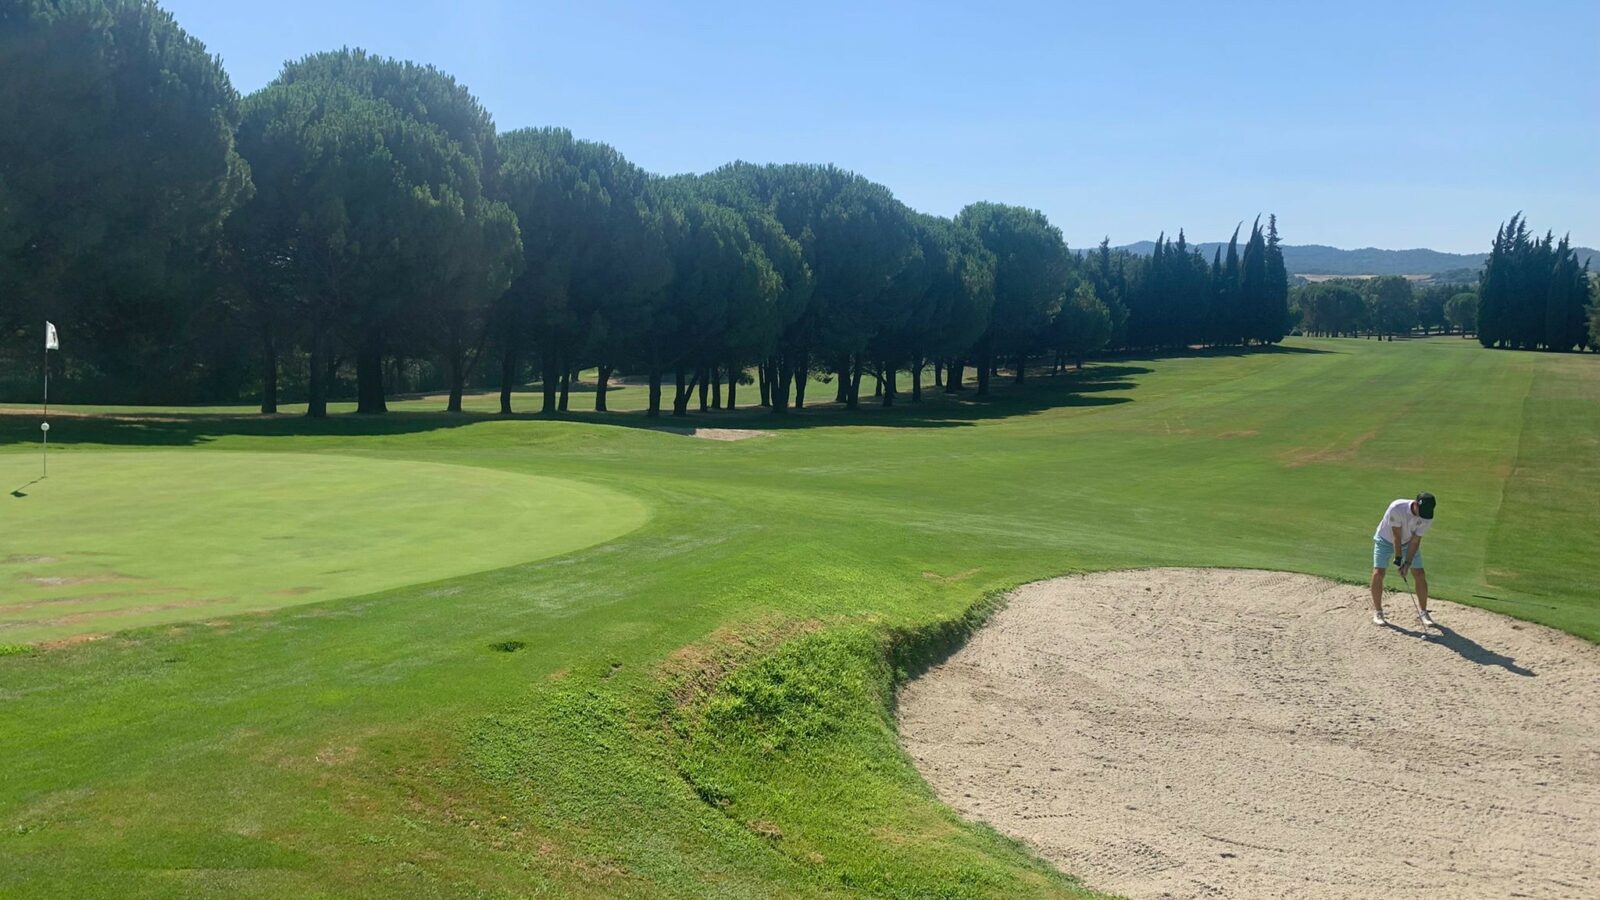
1377, 590
1422, 588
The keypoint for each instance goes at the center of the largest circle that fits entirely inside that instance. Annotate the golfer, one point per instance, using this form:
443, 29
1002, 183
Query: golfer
1399, 540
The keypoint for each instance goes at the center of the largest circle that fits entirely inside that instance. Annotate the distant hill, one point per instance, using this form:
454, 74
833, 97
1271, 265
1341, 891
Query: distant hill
1316, 259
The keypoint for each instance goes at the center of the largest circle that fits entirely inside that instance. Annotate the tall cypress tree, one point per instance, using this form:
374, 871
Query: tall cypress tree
1253, 285
1216, 314
1229, 296
1532, 293
1276, 305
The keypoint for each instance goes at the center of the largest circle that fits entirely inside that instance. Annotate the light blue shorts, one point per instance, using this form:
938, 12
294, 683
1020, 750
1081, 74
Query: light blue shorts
1383, 555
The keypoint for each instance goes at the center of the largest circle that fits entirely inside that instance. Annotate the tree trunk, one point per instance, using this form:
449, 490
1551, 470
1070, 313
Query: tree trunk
733, 384
508, 377
778, 385
566, 388
716, 387
269, 379
802, 377
916, 380
938, 374
705, 389
854, 395
956, 374
886, 383
842, 394
317, 382
600, 388
1022, 366
984, 370
369, 375
654, 410
549, 380
680, 399
762, 382
458, 377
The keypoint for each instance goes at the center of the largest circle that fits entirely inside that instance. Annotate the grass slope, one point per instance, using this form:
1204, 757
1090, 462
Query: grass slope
702, 706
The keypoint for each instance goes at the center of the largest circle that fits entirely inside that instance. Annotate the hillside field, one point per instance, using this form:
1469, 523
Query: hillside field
590, 657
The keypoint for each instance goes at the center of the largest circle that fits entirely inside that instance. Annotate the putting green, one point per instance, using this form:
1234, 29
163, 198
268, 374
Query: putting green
114, 540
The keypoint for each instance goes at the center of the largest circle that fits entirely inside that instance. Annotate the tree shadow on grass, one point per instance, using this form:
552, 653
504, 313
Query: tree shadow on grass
168, 429
1219, 352
1101, 385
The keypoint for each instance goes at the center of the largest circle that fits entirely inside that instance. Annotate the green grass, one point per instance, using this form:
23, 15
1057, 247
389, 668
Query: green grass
118, 540
701, 706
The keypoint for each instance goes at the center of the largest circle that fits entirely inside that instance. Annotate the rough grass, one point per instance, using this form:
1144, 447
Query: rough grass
701, 707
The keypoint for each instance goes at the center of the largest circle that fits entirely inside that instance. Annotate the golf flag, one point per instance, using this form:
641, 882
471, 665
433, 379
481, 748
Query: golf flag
50, 340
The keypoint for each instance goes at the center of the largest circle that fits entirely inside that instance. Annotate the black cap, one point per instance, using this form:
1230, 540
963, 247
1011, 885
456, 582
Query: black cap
1425, 504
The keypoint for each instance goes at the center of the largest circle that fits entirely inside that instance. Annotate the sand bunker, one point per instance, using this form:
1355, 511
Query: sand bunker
1220, 733
716, 434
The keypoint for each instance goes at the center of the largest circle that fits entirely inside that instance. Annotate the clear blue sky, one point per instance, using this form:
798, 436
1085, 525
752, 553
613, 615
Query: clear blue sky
1398, 124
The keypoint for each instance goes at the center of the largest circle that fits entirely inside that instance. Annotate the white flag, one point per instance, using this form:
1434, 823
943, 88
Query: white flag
50, 340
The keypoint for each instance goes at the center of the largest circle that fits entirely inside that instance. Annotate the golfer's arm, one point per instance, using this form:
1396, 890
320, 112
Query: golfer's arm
1411, 552
1399, 545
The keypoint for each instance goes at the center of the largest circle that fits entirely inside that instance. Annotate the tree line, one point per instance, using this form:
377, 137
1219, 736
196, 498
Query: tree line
1533, 294
359, 224
1384, 306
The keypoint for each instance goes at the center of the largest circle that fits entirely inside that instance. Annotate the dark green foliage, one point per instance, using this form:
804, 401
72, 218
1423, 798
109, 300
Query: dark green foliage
594, 256
1391, 308
1275, 302
448, 249
721, 283
1431, 300
1330, 308
1169, 297
367, 222
1256, 316
117, 169
1082, 326
855, 239
1461, 311
1031, 269
1594, 312
1533, 294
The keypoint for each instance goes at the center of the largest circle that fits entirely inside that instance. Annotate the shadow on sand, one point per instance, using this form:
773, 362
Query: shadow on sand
1467, 648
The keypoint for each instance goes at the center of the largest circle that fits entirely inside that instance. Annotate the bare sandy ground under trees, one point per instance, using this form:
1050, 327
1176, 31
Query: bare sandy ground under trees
1222, 733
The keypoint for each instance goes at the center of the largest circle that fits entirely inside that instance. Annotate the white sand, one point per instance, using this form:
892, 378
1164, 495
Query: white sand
1251, 734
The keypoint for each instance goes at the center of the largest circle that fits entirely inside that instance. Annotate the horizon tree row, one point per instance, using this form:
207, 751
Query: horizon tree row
361, 215
1382, 306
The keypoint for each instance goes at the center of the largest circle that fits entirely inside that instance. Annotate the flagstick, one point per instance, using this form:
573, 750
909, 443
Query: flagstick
44, 427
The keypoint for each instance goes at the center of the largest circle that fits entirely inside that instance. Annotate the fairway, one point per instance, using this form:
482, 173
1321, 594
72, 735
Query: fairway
117, 540
701, 706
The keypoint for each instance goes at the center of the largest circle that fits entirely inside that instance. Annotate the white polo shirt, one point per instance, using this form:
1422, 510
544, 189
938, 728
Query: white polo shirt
1399, 514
